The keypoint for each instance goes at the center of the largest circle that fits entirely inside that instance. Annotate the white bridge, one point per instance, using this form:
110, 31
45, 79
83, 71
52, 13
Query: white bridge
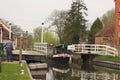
95, 49
40, 47
82, 49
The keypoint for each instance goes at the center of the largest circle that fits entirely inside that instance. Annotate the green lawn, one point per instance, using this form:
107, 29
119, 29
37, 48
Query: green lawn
108, 58
12, 72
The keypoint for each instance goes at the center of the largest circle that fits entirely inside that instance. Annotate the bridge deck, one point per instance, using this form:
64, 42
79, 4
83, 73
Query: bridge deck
29, 56
27, 52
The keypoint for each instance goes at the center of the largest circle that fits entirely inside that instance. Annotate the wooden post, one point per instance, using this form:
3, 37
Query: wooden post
20, 49
0, 65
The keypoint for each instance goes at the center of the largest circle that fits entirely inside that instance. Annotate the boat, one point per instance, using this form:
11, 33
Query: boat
61, 67
61, 54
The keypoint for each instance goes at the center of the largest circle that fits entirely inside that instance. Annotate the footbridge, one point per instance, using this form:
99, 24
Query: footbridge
89, 51
38, 53
95, 49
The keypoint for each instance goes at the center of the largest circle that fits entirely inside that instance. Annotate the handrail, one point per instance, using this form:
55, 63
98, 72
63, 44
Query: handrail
95, 49
40, 47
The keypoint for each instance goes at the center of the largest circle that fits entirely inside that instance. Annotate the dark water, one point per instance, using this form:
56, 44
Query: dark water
76, 71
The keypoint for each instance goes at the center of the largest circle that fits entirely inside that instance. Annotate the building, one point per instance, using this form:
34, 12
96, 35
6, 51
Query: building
105, 36
117, 22
24, 40
110, 35
5, 32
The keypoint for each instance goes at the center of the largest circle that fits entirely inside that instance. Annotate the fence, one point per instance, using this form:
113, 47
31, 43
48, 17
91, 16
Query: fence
95, 49
40, 47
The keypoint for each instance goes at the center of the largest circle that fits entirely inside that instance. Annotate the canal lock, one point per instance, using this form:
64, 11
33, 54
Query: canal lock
38, 70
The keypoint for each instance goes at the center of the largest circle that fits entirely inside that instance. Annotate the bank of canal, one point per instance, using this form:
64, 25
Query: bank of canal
76, 70
13, 71
112, 62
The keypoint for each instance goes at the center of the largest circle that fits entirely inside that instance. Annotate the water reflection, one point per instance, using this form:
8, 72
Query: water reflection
79, 71
60, 71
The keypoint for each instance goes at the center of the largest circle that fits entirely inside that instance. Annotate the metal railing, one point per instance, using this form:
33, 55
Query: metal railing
95, 49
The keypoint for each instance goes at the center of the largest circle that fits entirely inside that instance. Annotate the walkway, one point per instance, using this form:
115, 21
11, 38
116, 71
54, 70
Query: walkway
29, 56
27, 52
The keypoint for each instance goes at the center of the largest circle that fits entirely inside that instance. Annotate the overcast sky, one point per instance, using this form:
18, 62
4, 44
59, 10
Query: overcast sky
29, 14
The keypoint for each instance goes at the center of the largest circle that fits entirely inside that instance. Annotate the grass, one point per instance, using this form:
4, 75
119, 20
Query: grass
108, 58
12, 72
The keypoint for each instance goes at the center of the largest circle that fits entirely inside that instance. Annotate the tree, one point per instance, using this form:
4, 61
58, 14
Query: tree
48, 36
30, 40
96, 26
75, 30
58, 21
109, 18
37, 34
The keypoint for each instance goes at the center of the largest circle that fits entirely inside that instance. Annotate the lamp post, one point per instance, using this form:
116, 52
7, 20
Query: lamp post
42, 33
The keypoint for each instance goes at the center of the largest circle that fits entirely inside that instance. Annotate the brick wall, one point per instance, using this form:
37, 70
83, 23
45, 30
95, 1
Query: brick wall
117, 22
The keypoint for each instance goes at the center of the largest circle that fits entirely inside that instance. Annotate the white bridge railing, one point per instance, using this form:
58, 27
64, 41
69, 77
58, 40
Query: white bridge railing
95, 49
40, 47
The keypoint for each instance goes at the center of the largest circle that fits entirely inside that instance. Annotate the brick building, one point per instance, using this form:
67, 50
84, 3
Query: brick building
6, 33
106, 36
24, 42
117, 22
110, 35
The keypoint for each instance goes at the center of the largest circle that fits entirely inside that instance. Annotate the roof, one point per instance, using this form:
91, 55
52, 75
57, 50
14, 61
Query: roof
4, 26
107, 31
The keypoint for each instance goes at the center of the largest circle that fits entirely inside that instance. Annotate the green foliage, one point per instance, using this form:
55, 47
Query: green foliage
37, 34
75, 29
47, 37
58, 20
12, 72
96, 26
109, 18
30, 40
108, 58
50, 38
70, 25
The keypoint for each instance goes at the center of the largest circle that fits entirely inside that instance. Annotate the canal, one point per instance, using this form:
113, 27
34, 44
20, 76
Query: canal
75, 71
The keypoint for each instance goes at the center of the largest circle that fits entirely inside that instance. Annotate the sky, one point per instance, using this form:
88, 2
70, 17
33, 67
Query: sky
29, 14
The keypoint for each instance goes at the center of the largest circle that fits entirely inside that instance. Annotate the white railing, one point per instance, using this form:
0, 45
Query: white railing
95, 49
40, 47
